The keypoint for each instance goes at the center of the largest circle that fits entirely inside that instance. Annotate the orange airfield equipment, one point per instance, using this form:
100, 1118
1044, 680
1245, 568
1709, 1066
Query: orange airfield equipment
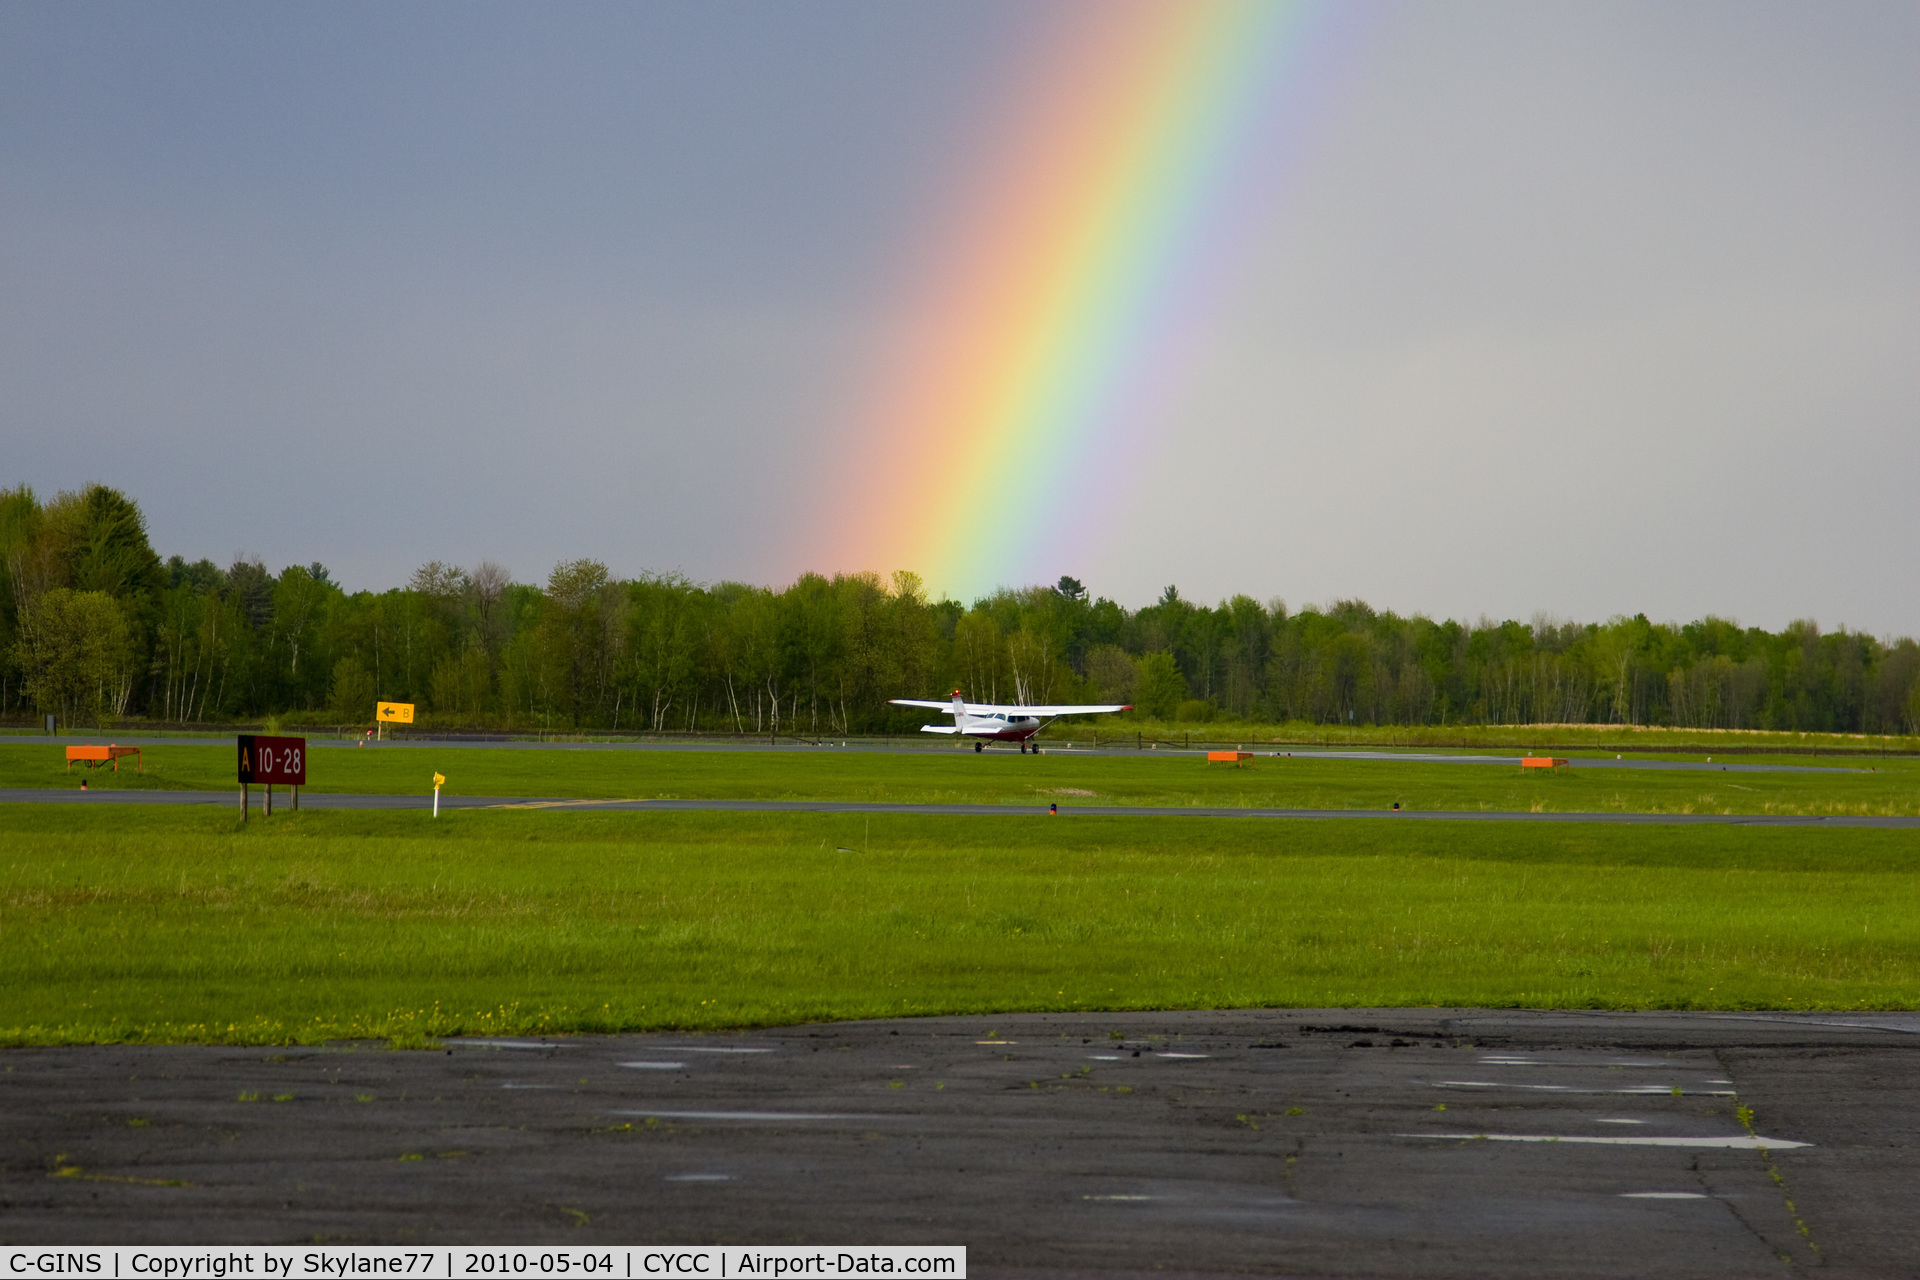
96, 756
1235, 758
1544, 762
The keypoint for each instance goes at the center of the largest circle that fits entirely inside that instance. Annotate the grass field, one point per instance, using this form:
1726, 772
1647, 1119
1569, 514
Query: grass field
1126, 728
1878, 787
130, 924
1591, 737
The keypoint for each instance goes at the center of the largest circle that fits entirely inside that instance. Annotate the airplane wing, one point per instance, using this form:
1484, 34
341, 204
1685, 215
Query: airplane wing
1044, 712
995, 708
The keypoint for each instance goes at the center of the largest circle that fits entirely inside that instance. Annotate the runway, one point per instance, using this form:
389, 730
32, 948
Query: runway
1388, 1142
327, 800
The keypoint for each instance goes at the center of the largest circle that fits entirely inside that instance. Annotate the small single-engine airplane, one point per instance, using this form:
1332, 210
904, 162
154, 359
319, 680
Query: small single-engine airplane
988, 721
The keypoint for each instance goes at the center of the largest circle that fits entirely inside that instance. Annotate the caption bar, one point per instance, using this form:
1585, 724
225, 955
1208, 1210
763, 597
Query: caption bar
273, 1262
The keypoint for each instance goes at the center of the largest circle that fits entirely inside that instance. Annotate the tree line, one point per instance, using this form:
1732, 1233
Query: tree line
96, 628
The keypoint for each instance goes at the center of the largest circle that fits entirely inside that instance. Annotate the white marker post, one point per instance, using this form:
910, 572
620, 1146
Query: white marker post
439, 780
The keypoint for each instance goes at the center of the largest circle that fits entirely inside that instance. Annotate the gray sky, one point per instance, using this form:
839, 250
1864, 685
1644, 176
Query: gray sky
1581, 309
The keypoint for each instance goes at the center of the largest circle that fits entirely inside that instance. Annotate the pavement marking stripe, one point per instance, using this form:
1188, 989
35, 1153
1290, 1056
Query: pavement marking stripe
760, 1115
701, 1048
1183, 1055
654, 1066
1744, 1142
559, 804
1664, 1195
1636, 1090
1909, 1025
698, 1177
506, 1044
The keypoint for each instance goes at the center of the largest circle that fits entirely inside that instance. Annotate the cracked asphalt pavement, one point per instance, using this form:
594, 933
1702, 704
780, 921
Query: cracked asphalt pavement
1289, 1142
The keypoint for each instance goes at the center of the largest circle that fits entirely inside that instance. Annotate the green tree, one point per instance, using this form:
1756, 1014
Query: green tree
353, 693
1114, 673
72, 652
581, 631
1161, 688
103, 542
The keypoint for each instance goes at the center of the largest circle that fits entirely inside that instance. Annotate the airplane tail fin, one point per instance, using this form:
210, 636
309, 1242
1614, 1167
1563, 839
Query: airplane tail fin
959, 706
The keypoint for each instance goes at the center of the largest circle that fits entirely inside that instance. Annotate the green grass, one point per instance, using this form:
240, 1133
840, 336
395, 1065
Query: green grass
1223, 730
1879, 787
1561, 737
130, 924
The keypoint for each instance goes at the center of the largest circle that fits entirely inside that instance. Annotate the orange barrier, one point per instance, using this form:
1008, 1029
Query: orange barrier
1543, 762
1228, 757
99, 755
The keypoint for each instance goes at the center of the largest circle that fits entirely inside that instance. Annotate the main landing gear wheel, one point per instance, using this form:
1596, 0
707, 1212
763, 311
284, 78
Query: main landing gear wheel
979, 746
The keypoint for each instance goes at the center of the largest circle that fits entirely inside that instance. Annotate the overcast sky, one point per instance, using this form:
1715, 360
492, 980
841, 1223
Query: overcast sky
1574, 308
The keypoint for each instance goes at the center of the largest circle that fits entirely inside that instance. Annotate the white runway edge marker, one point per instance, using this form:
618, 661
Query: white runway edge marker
1743, 1142
611, 1262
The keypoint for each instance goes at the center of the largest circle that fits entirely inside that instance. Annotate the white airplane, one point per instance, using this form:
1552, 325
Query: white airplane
988, 721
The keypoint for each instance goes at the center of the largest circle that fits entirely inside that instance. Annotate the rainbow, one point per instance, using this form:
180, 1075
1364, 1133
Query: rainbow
1068, 287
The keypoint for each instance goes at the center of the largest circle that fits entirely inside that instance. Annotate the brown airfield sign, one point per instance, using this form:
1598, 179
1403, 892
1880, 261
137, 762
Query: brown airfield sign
273, 761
